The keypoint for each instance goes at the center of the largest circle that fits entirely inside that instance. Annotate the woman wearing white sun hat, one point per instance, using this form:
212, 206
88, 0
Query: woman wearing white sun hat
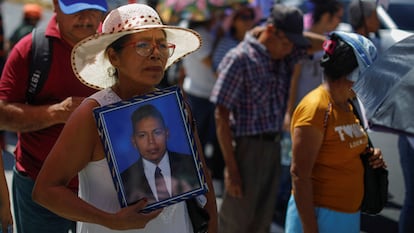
113, 62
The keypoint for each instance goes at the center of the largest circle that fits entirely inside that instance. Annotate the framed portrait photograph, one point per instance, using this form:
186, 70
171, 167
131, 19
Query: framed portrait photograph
150, 149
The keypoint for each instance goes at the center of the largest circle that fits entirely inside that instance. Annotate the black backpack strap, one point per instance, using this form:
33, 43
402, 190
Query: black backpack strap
40, 63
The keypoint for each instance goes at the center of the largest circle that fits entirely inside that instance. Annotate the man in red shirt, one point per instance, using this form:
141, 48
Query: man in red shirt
39, 123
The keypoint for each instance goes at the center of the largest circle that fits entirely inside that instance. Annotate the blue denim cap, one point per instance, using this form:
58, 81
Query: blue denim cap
71, 6
358, 10
364, 51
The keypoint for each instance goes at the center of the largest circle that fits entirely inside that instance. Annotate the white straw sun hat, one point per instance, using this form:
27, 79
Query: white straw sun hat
91, 65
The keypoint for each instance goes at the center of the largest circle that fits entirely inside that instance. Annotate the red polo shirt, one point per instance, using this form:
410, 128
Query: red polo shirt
33, 147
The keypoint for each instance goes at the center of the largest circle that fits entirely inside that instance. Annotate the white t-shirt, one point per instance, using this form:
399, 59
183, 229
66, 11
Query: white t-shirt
200, 78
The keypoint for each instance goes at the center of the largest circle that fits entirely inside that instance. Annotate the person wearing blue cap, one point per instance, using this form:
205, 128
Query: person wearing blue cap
40, 120
327, 140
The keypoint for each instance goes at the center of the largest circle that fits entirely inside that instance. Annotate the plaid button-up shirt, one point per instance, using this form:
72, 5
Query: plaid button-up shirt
254, 87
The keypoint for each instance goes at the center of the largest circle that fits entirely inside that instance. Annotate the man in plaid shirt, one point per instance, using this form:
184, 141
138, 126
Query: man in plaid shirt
251, 97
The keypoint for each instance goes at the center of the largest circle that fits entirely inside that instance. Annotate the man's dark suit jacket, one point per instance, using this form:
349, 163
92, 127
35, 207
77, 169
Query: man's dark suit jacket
184, 178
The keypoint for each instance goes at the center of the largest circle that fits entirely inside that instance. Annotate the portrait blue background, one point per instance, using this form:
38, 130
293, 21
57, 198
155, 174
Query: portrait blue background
119, 128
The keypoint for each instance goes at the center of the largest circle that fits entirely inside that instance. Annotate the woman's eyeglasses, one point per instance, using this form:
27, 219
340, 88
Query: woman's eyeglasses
146, 48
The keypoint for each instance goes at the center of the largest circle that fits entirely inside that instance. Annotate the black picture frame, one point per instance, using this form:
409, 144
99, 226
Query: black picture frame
125, 161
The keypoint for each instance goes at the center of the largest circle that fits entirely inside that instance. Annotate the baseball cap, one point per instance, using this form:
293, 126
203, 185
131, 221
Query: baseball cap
358, 9
71, 6
289, 19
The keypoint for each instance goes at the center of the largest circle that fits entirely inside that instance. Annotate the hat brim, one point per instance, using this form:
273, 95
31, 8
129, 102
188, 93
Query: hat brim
91, 66
298, 39
76, 7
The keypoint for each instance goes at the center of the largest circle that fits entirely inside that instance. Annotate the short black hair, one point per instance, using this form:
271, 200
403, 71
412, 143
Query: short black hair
146, 111
320, 7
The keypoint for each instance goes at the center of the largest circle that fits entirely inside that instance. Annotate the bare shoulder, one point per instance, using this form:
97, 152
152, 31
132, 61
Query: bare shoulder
85, 109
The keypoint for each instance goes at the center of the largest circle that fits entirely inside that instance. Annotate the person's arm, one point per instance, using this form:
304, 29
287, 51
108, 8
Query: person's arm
24, 118
306, 142
15, 114
6, 218
74, 149
297, 70
316, 41
232, 178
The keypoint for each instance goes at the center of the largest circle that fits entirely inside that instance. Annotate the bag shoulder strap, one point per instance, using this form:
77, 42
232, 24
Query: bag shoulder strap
40, 62
356, 110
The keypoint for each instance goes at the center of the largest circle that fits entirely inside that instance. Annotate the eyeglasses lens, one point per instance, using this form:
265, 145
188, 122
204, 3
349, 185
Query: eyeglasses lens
145, 49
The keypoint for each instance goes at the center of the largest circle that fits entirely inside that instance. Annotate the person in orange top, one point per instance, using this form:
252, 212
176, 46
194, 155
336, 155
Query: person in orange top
327, 140
32, 14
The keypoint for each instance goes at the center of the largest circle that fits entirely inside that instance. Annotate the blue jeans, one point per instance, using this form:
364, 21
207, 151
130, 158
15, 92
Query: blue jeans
31, 217
406, 223
328, 220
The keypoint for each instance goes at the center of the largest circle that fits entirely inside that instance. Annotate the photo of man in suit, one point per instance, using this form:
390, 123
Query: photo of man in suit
158, 174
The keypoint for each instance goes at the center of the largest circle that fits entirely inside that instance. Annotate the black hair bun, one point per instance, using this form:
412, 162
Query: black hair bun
341, 62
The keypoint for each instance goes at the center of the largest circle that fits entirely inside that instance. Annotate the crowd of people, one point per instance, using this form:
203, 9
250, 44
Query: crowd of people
250, 79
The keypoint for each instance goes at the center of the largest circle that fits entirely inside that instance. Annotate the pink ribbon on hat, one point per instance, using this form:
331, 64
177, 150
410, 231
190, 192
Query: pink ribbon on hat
329, 46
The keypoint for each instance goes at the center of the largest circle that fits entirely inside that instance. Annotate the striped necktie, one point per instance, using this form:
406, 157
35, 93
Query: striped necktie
162, 190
